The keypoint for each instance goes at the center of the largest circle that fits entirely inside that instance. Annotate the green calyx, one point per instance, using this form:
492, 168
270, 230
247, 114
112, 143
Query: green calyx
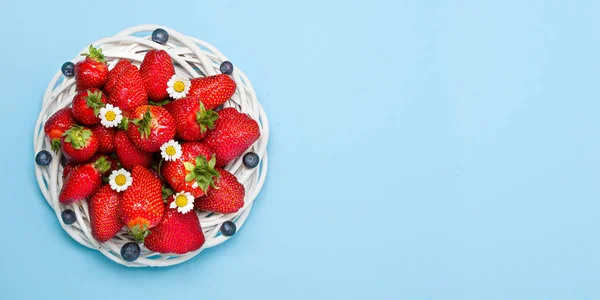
159, 103
77, 136
144, 124
203, 172
166, 193
94, 101
55, 145
124, 124
102, 165
206, 118
139, 232
95, 54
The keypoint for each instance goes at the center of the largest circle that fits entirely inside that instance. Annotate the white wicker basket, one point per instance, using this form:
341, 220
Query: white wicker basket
192, 58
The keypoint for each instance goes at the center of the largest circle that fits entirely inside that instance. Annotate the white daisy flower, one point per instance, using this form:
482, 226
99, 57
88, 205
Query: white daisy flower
110, 116
195, 184
170, 150
178, 87
120, 180
184, 202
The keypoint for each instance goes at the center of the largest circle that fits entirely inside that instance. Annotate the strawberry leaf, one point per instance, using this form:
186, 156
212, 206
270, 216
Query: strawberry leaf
189, 166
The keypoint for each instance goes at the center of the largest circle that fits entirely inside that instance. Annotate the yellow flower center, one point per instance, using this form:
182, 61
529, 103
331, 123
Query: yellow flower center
179, 86
120, 179
181, 201
170, 150
110, 115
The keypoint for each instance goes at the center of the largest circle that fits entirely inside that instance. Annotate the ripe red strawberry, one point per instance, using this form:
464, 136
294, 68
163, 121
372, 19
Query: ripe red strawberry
156, 69
177, 233
191, 119
212, 90
233, 134
128, 91
128, 154
142, 206
78, 144
196, 165
153, 127
106, 138
57, 124
87, 104
92, 72
227, 198
104, 217
82, 181
114, 73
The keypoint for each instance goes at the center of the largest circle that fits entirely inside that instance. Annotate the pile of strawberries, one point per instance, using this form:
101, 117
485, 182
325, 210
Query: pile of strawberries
145, 148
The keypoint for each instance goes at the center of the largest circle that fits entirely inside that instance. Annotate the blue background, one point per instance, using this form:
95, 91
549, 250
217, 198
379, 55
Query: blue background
419, 150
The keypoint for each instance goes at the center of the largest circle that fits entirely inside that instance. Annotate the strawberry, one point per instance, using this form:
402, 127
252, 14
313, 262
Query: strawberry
212, 90
128, 154
196, 165
83, 181
226, 198
106, 138
128, 91
233, 134
154, 127
104, 218
114, 73
87, 104
156, 69
92, 72
191, 119
142, 206
177, 233
78, 144
57, 124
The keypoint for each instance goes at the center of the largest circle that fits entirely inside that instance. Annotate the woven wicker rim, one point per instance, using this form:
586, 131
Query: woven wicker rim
192, 58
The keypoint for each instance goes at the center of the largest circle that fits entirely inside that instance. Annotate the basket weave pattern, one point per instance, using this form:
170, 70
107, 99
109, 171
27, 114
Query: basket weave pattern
192, 58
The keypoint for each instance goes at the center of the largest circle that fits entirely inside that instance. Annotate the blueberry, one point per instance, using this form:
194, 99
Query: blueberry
43, 158
68, 216
251, 160
68, 69
228, 228
220, 107
160, 36
130, 251
226, 67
